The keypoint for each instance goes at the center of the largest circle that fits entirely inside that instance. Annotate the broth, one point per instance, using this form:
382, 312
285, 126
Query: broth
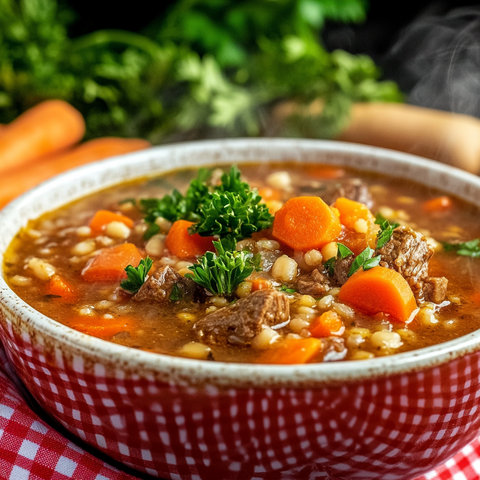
54, 240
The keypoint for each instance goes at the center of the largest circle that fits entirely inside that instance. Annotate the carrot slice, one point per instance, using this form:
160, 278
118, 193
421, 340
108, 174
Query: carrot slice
292, 351
328, 324
438, 204
59, 287
103, 217
379, 290
351, 212
110, 264
101, 327
260, 284
304, 223
184, 245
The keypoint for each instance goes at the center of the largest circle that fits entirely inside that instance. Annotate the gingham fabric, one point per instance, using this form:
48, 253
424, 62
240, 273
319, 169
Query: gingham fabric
30, 449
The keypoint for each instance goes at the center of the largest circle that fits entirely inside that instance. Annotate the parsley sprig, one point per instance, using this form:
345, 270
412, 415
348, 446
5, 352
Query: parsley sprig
136, 275
386, 230
176, 206
234, 215
230, 208
466, 249
342, 252
221, 273
286, 289
364, 260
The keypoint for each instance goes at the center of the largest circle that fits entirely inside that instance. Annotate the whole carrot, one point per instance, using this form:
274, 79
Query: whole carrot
45, 128
18, 181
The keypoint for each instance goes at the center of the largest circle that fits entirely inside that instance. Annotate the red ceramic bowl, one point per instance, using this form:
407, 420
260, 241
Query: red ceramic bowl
388, 418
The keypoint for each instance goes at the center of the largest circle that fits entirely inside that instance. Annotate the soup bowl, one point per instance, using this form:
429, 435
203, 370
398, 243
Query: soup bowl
393, 417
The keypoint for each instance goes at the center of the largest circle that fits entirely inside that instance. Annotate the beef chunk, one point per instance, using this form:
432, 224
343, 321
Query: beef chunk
158, 287
315, 284
353, 189
341, 269
408, 253
237, 324
435, 289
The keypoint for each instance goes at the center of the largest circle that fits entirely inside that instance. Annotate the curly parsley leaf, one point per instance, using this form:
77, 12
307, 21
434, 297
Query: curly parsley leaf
342, 252
386, 230
136, 275
235, 215
364, 260
176, 206
466, 249
221, 273
231, 182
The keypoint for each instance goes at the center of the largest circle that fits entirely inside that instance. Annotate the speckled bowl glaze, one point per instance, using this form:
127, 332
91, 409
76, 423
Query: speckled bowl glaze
388, 418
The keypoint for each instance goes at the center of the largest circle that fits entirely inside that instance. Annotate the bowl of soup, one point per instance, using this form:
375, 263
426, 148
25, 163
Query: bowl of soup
254, 308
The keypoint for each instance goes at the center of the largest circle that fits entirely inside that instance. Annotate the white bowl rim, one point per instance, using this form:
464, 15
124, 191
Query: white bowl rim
224, 373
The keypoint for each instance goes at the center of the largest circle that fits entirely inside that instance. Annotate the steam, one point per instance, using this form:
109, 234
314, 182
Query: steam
436, 60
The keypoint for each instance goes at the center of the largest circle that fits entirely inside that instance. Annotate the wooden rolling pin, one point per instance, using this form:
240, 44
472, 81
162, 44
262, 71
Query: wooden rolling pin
447, 137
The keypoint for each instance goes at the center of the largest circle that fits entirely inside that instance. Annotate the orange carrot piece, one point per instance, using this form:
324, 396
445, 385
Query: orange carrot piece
103, 217
438, 204
268, 193
18, 181
110, 264
59, 287
328, 324
100, 327
356, 242
292, 351
47, 127
260, 283
304, 223
379, 290
184, 245
351, 211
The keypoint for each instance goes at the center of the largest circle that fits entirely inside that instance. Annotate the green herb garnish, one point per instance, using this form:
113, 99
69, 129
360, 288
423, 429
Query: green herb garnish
176, 206
136, 275
466, 249
386, 230
221, 273
235, 215
176, 293
342, 252
364, 260
232, 182
230, 208
285, 289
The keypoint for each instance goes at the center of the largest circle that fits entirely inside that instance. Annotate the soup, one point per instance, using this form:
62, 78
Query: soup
277, 264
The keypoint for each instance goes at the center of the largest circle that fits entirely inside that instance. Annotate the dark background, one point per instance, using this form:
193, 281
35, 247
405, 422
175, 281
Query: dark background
385, 19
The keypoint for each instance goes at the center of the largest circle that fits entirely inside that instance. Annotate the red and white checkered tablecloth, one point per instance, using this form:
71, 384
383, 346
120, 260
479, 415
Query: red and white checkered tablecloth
32, 449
